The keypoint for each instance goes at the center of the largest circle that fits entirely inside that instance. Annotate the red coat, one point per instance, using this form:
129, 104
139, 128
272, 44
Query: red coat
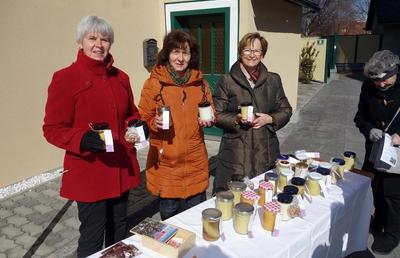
90, 91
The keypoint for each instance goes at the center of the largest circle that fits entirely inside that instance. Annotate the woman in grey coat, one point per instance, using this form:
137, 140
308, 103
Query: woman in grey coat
248, 147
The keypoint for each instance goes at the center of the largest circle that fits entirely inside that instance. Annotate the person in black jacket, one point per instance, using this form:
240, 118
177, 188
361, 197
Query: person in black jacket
379, 101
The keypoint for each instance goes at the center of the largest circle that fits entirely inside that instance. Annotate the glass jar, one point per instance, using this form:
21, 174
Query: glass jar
349, 160
224, 203
284, 178
285, 200
269, 215
236, 188
241, 217
249, 197
312, 183
273, 178
211, 220
299, 183
281, 165
165, 113
340, 162
301, 169
265, 192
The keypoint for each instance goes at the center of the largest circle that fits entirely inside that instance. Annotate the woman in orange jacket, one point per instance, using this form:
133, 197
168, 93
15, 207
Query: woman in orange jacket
177, 163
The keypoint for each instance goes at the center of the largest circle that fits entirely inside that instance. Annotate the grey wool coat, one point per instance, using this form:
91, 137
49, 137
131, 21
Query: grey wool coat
245, 150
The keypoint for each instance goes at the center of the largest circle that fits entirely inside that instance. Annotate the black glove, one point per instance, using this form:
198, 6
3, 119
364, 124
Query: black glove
137, 123
91, 141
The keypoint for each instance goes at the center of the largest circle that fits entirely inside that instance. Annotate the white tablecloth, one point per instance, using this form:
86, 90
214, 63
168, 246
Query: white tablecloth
333, 227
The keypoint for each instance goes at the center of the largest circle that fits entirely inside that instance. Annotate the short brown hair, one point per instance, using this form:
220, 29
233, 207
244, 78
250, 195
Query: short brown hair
249, 38
177, 39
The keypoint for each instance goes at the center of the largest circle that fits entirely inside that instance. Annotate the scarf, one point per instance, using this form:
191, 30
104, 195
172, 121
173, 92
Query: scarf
180, 78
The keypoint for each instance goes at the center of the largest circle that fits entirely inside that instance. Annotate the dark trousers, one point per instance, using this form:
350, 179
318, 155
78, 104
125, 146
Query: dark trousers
387, 207
170, 207
101, 222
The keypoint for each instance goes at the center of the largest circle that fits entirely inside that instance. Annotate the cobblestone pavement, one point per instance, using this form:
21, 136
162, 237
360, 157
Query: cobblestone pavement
38, 223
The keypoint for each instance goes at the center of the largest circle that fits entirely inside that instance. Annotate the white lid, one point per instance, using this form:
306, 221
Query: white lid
315, 176
287, 172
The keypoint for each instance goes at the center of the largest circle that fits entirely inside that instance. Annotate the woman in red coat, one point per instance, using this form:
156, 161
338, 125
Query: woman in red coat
92, 92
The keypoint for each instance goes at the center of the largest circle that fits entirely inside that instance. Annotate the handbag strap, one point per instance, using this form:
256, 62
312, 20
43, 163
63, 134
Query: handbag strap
397, 112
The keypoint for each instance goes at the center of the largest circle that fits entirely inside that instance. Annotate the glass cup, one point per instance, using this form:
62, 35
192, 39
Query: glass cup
284, 177
164, 112
246, 110
285, 200
349, 159
241, 217
236, 188
211, 219
312, 183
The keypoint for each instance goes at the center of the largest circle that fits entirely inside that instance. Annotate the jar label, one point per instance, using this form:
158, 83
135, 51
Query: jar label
277, 225
221, 231
165, 120
108, 140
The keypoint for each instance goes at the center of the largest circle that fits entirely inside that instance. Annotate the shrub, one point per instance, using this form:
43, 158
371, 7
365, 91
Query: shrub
307, 61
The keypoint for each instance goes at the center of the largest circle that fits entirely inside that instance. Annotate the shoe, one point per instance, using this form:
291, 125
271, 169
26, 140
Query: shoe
384, 243
374, 227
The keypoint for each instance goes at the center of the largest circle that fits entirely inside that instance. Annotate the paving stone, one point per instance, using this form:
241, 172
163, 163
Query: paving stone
8, 204
22, 210
18, 197
2, 255
42, 208
28, 202
53, 239
25, 240
38, 219
50, 192
17, 220
44, 250
16, 252
5, 213
11, 231
69, 233
32, 194
72, 222
58, 227
6, 244
32, 229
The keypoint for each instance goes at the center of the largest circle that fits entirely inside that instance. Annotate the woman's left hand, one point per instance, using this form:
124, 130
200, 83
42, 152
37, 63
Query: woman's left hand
206, 123
395, 139
131, 136
261, 120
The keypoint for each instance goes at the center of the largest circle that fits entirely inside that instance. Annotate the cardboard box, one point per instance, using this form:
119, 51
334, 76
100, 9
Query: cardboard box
187, 237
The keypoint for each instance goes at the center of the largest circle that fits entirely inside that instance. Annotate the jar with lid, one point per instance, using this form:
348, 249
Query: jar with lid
301, 169
299, 183
281, 165
312, 183
340, 163
224, 203
211, 224
236, 188
265, 192
284, 177
325, 172
241, 217
269, 215
249, 197
285, 200
349, 160
273, 179
291, 189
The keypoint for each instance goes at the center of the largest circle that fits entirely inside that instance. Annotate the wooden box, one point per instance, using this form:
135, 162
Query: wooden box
187, 236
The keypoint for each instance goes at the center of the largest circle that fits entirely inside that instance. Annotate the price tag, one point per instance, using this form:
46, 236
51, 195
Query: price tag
143, 143
268, 196
165, 120
108, 140
328, 181
221, 231
250, 110
277, 225
323, 188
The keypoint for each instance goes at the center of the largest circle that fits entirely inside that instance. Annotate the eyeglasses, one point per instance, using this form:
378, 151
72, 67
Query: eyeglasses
256, 52
176, 52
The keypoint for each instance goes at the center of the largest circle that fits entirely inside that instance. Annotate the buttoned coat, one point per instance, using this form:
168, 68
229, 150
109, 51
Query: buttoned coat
90, 91
245, 150
177, 162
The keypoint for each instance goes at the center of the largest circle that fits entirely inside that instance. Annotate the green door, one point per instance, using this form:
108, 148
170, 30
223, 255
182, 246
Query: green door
212, 35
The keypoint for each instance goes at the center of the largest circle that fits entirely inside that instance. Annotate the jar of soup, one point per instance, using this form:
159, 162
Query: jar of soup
249, 197
273, 178
241, 217
224, 203
349, 160
211, 223
340, 163
312, 183
301, 169
291, 189
299, 183
265, 192
285, 200
284, 178
236, 188
269, 215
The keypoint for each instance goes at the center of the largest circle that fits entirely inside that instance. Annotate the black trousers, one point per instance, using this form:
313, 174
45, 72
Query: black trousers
101, 222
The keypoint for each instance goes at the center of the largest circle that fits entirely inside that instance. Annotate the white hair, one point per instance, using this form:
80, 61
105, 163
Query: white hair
94, 24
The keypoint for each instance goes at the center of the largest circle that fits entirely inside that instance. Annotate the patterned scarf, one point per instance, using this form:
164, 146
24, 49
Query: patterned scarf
180, 78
